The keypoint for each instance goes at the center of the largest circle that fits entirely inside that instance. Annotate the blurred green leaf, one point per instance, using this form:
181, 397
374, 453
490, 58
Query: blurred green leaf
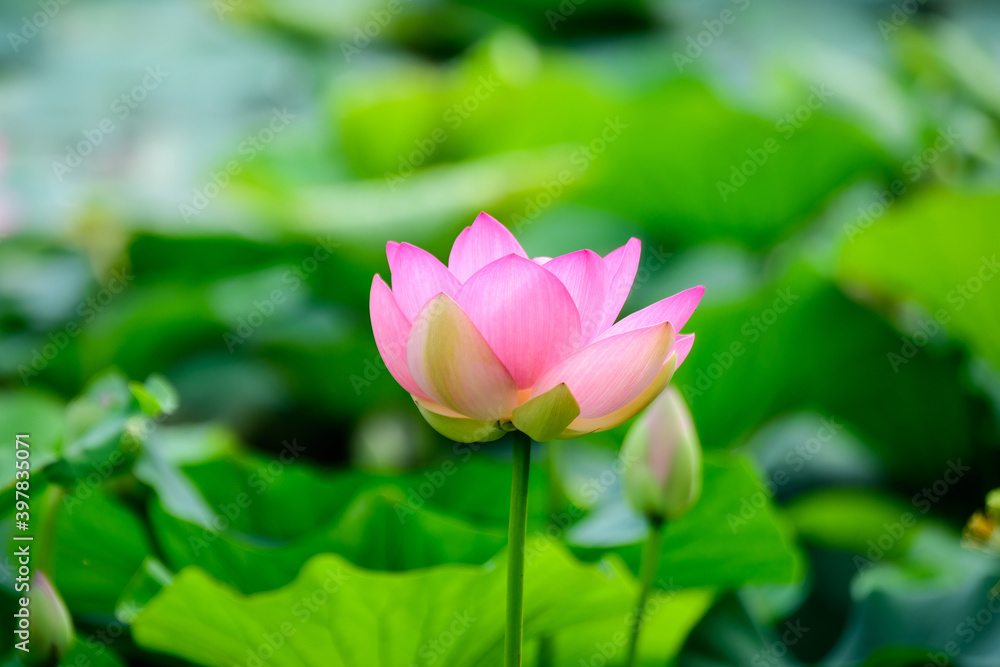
892, 599
726, 177
668, 619
99, 543
957, 281
729, 637
454, 613
156, 397
854, 519
376, 531
42, 418
733, 535
801, 344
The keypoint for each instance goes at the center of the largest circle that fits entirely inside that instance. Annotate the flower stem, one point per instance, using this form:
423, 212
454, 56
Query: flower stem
515, 549
546, 643
52, 498
647, 571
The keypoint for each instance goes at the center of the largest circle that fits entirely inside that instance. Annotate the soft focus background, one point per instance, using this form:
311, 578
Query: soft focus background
194, 198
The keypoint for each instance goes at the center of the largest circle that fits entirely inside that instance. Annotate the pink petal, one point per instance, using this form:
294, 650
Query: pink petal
391, 329
390, 251
417, 276
585, 276
682, 346
609, 373
452, 362
676, 309
580, 427
525, 314
622, 265
485, 241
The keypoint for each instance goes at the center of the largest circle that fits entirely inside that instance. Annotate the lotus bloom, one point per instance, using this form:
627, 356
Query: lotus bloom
663, 478
497, 341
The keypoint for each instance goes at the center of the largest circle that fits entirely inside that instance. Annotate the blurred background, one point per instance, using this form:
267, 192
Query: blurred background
195, 195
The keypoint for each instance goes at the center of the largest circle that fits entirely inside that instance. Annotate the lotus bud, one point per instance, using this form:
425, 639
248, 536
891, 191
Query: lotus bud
661, 450
51, 624
993, 503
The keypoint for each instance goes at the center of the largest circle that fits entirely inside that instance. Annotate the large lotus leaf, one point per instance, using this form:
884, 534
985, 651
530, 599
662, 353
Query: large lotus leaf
958, 281
336, 614
370, 531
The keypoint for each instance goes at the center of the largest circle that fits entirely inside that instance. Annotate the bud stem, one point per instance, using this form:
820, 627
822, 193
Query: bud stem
517, 528
546, 643
647, 572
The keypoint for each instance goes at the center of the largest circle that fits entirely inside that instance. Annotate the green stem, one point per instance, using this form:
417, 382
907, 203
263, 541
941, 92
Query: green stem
47, 536
515, 549
647, 572
546, 643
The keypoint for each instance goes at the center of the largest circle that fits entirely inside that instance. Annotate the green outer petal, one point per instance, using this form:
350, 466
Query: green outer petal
451, 361
545, 416
462, 430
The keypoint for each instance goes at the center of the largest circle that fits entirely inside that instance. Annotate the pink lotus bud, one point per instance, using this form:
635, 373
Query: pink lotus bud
496, 341
51, 624
663, 477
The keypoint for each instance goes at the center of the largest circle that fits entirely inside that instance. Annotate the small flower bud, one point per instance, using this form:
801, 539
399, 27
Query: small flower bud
661, 450
993, 503
52, 627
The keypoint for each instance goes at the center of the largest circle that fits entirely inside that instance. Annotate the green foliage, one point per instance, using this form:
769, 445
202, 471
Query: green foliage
451, 612
790, 159
957, 281
854, 520
731, 537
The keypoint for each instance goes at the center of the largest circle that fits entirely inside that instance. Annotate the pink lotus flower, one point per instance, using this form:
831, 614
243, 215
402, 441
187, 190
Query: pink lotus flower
497, 341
